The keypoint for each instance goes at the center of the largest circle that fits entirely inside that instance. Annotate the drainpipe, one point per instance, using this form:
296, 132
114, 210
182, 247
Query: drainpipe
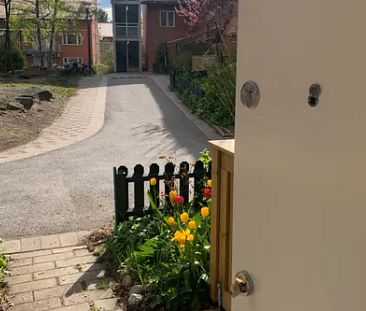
89, 41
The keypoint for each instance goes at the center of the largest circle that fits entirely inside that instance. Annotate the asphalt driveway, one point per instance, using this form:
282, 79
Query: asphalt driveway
71, 188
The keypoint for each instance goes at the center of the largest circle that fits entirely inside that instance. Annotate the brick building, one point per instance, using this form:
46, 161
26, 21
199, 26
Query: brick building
70, 46
162, 24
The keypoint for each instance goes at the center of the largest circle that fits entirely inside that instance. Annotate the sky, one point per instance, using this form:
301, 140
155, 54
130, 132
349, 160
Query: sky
106, 5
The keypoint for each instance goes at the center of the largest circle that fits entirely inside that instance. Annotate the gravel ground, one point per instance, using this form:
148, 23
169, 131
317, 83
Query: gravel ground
72, 188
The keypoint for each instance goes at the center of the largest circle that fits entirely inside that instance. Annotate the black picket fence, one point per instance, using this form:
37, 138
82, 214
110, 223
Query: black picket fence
186, 179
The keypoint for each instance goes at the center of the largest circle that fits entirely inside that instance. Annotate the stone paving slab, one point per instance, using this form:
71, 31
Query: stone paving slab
46, 276
83, 117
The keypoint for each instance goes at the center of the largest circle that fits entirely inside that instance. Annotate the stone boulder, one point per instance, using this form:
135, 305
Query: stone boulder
135, 300
26, 101
14, 106
137, 289
41, 94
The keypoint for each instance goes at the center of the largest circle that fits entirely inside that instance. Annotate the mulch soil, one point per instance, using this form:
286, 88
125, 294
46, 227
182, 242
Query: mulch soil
18, 127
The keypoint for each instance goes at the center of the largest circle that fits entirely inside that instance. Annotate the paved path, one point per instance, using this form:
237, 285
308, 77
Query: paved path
71, 189
57, 272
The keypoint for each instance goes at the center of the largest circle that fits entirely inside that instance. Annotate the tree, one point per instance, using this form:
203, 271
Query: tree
7, 6
44, 19
30, 17
214, 14
102, 16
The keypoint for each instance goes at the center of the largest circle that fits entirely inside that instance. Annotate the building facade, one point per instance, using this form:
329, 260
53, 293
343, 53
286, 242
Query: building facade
162, 25
127, 35
70, 46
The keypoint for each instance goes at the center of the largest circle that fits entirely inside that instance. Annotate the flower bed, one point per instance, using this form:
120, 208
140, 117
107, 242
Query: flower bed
166, 252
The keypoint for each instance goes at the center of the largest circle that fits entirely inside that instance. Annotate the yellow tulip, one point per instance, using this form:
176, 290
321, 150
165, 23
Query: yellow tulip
172, 195
192, 224
205, 211
171, 220
153, 181
209, 183
190, 237
184, 217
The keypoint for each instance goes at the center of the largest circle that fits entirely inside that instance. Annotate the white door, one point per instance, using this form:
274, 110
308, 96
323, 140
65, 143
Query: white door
300, 172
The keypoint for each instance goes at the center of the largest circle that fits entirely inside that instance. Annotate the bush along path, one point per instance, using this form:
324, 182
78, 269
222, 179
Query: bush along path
211, 94
165, 255
57, 272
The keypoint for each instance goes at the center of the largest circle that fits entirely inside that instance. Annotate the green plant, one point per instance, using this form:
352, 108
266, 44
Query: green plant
217, 105
3, 265
102, 69
205, 157
183, 59
3, 285
161, 57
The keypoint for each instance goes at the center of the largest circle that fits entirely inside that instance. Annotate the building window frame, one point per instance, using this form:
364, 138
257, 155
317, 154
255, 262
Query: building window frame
66, 39
164, 16
76, 59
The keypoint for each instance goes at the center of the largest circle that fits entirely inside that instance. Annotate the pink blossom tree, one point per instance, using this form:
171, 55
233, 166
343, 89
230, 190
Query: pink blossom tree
212, 15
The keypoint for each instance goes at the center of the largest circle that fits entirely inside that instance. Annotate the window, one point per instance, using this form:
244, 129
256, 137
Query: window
167, 18
73, 60
73, 38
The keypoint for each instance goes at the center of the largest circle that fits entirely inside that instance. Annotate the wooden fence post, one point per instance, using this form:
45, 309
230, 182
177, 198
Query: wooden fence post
155, 190
139, 190
169, 181
120, 193
184, 181
199, 174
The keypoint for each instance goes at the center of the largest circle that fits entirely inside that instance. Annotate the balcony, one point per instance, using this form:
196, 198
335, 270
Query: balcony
30, 49
130, 31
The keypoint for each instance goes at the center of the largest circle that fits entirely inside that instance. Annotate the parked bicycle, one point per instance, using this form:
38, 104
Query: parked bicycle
77, 69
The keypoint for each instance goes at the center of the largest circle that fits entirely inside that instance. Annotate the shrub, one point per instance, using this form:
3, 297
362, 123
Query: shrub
161, 58
217, 105
183, 59
168, 251
101, 69
220, 89
10, 59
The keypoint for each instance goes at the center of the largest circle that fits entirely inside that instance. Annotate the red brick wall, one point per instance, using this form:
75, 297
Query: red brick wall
78, 50
156, 34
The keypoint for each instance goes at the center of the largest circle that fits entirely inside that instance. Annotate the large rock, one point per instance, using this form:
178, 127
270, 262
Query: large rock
135, 300
41, 94
26, 101
137, 289
14, 106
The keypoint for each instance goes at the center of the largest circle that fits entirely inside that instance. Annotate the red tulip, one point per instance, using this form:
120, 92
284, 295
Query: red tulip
207, 192
179, 199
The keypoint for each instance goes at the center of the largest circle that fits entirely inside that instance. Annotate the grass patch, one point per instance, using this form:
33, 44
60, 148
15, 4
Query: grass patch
60, 86
57, 91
